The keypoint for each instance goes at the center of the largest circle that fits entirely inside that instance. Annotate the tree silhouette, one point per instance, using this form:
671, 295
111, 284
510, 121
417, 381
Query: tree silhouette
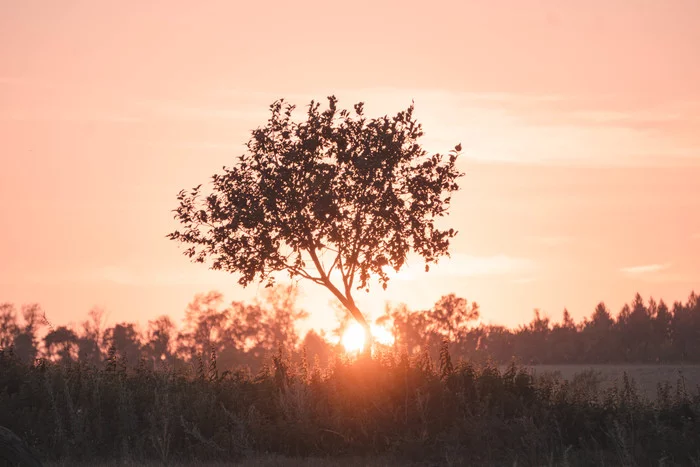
280, 313
239, 333
661, 331
21, 337
450, 316
91, 337
25, 342
334, 199
61, 343
245, 335
8, 324
159, 339
125, 340
205, 326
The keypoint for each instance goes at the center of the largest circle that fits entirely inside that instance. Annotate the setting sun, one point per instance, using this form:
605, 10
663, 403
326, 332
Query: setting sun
354, 337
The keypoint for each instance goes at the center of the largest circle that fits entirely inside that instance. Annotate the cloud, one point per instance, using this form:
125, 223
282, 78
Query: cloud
645, 269
552, 129
139, 276
501, 127
461, 265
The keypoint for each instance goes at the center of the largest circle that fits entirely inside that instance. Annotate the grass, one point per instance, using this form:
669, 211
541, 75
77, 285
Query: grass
647, 377
263, 461
389, 410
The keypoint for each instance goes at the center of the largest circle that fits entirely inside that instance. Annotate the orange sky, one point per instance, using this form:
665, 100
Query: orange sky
580, 122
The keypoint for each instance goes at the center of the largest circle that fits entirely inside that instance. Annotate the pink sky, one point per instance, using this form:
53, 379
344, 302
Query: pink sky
580, 122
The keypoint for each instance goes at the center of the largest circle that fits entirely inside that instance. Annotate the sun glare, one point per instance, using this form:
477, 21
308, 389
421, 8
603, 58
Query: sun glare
382, 335
354, 337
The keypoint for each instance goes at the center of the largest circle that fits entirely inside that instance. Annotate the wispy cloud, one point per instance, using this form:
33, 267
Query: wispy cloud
502, 127
552, 129
645, 269
150, 277
461, 265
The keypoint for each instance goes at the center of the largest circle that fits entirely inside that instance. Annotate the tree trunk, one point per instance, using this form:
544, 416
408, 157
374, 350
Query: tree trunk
360, 318
14, 451
367, 350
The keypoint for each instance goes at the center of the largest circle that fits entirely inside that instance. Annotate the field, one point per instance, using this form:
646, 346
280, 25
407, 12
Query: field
390, 410
645, 377
263, 461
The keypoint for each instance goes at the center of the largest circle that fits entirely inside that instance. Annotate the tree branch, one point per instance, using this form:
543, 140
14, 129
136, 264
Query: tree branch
346, 301
303, 273
336, 262
355, 251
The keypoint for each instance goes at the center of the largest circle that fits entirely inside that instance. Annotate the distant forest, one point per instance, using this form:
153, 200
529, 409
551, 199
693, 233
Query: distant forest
245, 335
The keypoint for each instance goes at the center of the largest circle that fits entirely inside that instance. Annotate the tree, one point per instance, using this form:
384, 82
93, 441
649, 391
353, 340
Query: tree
61, 343
205, 326
25, 342
564, 341
599, 335
334, 199
280, 313
409, 327
91, 336
8, 325
685, 329
125, 340
661, 332
20, 337
450, 316
238, 333
159, 339
601, 318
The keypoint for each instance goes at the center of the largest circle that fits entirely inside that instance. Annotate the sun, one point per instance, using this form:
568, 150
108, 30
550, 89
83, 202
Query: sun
354, 337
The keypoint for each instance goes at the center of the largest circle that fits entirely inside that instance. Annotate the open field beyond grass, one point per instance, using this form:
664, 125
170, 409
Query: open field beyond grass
645, 377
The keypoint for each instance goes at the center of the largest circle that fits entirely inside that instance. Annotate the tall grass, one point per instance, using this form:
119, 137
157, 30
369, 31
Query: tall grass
389, 406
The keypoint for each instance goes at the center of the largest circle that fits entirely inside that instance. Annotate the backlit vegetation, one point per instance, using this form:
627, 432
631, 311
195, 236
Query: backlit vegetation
180, 400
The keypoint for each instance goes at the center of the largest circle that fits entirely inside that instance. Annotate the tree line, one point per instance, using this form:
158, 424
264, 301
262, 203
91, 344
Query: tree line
242, 334
238, 334
642, 332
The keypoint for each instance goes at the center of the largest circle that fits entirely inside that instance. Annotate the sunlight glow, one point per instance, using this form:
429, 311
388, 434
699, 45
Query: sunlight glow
354, 337
382, 335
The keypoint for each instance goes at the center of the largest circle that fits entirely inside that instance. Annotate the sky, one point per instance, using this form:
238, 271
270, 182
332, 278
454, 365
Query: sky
580, 122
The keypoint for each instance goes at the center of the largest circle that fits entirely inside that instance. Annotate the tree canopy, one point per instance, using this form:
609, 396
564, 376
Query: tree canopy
335, 199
